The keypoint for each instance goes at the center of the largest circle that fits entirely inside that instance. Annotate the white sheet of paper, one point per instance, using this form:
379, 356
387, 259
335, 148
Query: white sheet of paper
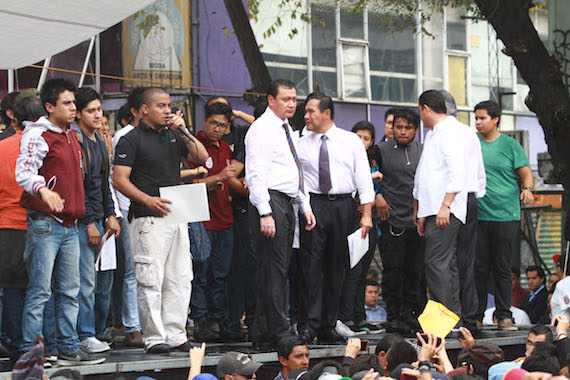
357, 247
189, 203
107, 259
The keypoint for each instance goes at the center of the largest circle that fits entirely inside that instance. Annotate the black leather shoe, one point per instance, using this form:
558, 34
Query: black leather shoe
307, 336
158, 349
330, 336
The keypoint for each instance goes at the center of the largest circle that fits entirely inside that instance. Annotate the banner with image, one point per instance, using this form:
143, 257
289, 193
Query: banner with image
156, 45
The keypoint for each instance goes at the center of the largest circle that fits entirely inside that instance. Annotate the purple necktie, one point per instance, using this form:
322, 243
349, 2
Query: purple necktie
324, 167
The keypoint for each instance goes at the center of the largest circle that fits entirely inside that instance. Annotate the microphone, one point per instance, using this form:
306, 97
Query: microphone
186, 133
183, 130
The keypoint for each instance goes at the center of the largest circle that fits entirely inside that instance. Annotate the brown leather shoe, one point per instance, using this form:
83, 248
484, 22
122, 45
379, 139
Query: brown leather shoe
507, 324
134, 339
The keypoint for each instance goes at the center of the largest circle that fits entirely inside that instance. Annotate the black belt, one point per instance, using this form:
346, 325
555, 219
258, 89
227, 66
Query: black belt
36, 215
331, 197
282, 195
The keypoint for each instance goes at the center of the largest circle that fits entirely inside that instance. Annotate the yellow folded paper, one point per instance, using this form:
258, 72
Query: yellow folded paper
437, 319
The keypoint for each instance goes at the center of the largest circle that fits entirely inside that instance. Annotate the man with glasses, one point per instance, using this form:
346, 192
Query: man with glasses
236, 366
211, 278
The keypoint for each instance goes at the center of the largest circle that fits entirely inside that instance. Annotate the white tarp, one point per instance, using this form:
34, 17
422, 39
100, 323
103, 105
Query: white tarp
31, 30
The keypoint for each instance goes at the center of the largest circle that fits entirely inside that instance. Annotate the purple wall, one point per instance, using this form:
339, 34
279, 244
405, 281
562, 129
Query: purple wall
221, 63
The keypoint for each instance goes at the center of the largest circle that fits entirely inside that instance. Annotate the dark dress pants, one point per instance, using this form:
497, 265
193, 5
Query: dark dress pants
272, 263
497, 244
403, 279
442, 276
352, 301
323, 261
466, 251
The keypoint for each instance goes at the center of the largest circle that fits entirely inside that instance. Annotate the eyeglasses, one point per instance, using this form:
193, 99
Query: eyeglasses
214, 124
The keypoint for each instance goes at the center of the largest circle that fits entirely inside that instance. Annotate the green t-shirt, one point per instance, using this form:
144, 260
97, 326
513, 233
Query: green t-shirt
502, 158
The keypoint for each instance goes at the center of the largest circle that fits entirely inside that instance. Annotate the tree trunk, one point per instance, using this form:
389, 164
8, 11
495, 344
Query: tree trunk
548, 96
250, 50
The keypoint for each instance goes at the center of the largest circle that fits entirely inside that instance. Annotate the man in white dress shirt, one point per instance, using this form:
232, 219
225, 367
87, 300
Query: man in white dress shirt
441, 200
476, 181
275, 181
335, 166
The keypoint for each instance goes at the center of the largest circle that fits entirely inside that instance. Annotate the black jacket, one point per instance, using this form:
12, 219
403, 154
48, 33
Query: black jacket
537, 309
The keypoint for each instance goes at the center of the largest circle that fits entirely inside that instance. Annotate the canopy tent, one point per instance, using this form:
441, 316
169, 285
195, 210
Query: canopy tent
32, 30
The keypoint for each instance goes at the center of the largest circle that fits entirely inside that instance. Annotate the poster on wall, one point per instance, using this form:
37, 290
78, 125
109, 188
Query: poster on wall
156, 46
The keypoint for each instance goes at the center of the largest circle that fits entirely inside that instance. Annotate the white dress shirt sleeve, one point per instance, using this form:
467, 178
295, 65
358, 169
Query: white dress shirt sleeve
362, 174
481, 175
452, 150
258, 158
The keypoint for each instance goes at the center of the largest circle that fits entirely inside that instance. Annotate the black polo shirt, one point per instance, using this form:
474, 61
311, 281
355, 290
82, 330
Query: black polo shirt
155, 161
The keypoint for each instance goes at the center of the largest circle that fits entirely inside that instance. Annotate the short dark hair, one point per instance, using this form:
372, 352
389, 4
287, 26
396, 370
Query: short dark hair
259, 108
84, 96
516, 273
68, 373
273, 88
386, 342
535, 268
372, 283
150, 92
135, 98
390, 111
218, 108
209, 101
492, 107
364, 363
6, 104
544, 358
401, 352
408, 114
542, 330
365, 125
52, 88
287, 343
434, 100
125, 113
325, 102
29, 109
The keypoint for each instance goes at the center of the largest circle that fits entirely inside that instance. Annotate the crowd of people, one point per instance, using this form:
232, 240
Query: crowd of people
286, 186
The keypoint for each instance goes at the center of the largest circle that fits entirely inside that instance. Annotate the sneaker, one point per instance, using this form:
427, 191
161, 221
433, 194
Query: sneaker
343, 330
94, 345
134, 339
203, 333
507, 324
79, 358
158, 349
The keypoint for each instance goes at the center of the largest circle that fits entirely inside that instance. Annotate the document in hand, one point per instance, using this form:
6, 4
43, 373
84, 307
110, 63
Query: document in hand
357, 247
437, 319
189, 203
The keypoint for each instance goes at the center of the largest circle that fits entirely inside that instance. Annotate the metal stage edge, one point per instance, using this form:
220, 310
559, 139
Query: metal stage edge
135, 361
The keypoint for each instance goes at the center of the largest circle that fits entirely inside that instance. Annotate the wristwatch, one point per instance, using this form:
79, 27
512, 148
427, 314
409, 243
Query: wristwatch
529, 189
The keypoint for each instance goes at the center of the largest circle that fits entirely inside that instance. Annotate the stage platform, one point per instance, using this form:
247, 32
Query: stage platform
131, 363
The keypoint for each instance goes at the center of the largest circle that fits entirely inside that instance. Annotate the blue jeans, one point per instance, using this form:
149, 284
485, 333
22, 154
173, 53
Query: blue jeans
124, 294
95, 291
102, 301
88, 275
217, 271
52, 251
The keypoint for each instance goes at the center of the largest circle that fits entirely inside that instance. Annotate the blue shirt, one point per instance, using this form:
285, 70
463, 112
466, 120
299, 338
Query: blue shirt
376, 314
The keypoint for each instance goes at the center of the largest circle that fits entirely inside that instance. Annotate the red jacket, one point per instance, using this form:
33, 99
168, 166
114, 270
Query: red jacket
50, 156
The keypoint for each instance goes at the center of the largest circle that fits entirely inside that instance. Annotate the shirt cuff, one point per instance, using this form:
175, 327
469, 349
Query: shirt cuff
264, 208
367, 198
306, 205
